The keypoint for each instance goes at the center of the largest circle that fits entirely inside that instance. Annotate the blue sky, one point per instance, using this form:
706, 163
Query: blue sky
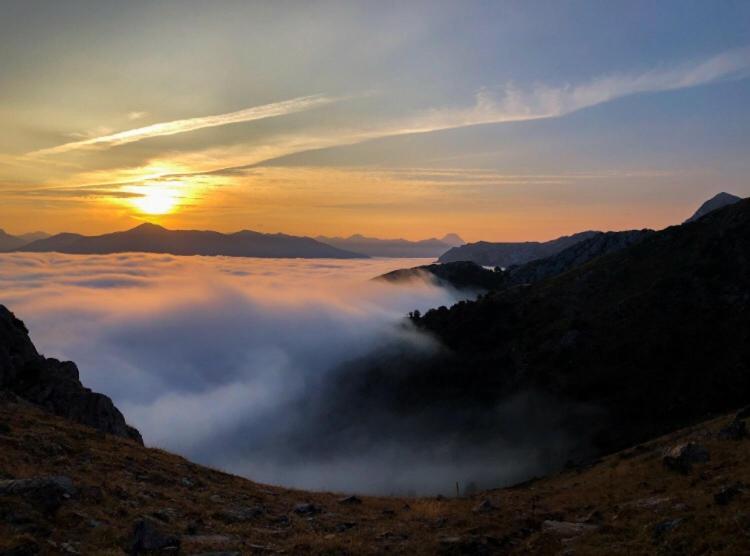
498, 120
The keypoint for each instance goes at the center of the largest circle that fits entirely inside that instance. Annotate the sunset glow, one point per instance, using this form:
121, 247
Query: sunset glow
158, 199
220, 131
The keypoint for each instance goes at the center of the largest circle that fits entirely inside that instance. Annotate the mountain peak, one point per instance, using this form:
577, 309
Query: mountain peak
148, 227
454, 240
718, 201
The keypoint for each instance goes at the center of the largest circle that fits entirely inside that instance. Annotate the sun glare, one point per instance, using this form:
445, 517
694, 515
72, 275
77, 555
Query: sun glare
157, 199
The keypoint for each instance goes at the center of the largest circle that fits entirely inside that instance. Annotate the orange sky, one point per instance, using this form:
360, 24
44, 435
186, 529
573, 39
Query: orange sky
503, 122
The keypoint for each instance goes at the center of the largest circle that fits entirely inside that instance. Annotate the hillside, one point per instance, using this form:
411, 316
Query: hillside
461, 275
95, 494
486, 253
623, 348
150, 238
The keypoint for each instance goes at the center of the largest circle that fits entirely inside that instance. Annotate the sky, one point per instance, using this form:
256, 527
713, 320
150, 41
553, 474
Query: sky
503, 120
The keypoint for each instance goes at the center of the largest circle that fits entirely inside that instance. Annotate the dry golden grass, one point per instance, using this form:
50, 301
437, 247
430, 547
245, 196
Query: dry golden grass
626, 495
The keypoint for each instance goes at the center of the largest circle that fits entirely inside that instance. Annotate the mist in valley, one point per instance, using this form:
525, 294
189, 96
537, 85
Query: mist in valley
256, 367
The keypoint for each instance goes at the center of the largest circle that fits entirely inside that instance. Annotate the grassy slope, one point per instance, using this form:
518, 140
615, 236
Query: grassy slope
119, 481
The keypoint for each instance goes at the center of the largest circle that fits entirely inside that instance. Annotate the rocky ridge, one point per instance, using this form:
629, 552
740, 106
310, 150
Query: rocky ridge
52, 384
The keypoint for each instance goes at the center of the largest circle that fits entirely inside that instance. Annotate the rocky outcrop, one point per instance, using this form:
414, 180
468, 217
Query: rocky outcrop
53, 384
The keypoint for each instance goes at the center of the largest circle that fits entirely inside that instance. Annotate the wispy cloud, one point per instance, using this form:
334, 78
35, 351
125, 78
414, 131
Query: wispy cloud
510, 104
514, 104
192, 124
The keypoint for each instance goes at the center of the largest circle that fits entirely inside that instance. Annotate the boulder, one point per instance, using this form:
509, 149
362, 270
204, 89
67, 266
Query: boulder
147, 537
681, 458
240, 514
736, 430
350, 501
664, 527
49, 492
307, 509
484, 506
728, 493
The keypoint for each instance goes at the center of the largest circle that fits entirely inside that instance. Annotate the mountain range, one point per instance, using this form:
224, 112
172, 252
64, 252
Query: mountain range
150, 238
398, 248
509, 254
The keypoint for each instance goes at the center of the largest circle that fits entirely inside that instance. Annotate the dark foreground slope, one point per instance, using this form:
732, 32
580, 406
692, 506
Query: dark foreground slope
64, 489
52, 384
150, 238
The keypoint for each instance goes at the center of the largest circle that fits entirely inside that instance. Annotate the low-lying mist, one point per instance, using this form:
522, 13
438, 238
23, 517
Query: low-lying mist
238, 363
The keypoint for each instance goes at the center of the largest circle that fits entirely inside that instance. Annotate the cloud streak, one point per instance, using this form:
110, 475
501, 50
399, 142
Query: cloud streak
511, 104
192, 124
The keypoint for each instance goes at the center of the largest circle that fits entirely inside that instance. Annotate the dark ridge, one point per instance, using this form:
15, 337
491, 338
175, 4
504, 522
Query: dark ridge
504, 255
462, 275
628, 346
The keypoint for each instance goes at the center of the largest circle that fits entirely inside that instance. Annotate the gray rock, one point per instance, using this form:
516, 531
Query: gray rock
240, 514
307, 509
350, 501
664, 527
682, 457
47, 492
484, 506
728, 493
148, 537
736, 430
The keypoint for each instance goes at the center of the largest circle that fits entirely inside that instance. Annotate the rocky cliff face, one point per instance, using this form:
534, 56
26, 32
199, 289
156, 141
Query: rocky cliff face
52, 384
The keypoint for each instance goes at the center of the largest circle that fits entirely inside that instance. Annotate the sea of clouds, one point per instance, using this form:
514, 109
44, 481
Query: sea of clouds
228, 361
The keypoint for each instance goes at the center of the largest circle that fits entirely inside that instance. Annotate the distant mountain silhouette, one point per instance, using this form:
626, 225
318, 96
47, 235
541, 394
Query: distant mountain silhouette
486, 253
33, 236
716, 202
9, 242
375, 247
454, 240
150, 238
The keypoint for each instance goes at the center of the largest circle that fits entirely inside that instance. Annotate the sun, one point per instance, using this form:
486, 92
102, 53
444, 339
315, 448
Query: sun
160, 198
